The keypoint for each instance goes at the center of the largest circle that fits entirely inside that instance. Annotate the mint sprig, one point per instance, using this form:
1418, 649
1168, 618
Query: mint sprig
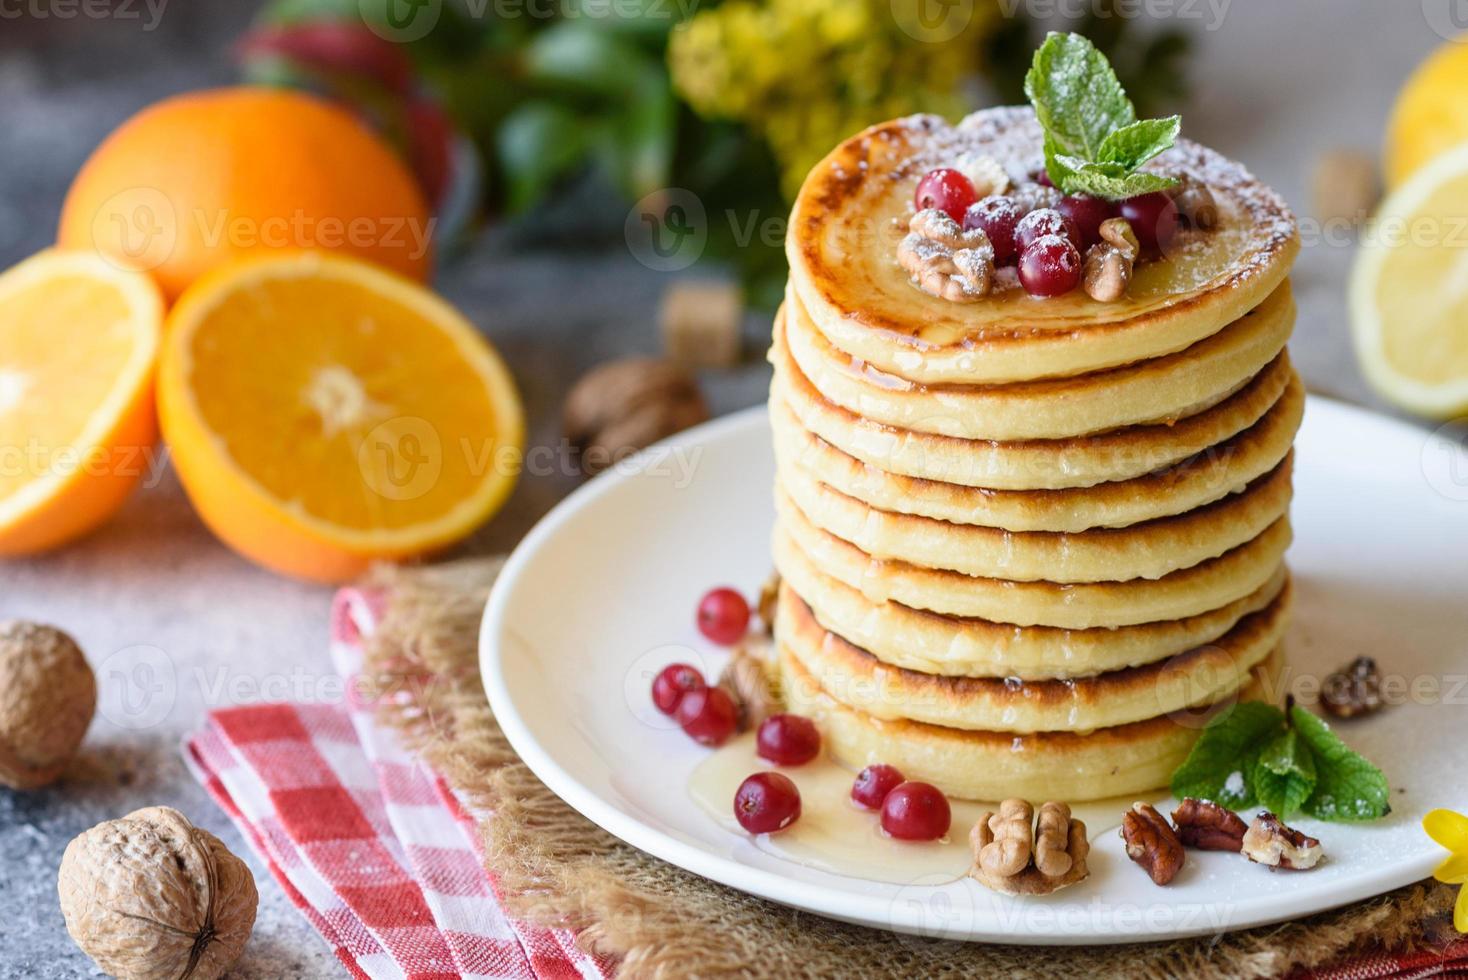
1094, 143
1288, 762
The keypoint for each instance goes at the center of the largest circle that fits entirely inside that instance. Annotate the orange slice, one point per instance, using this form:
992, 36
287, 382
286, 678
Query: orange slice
323, 413
78, 341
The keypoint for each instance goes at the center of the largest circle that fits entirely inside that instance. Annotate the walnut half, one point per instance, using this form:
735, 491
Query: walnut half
946, 261
1271, 843
1207, 826
1151, 843
1018, 855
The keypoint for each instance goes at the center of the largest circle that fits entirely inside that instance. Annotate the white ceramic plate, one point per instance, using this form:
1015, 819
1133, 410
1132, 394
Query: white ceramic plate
601, 594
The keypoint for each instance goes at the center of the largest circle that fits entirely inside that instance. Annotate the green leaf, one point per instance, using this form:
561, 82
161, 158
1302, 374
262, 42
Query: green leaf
1109, 180
538, 143
1348, 788
1220, 764
1284, 774
1076, 95
1131, 146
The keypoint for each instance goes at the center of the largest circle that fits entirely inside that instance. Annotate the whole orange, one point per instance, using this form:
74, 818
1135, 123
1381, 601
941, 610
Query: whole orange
201, 179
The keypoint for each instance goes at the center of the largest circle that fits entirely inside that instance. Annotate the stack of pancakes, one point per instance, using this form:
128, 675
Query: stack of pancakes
1028, 546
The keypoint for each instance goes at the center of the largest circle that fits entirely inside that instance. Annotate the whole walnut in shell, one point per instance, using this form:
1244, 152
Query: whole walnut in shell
625, 405
47, 697
152, 897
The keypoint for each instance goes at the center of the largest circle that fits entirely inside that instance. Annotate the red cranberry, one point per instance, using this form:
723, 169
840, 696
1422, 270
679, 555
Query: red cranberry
873, 784
709, 716
723, 616
1086, 214
1042, 177
916, 811
1153, 218
672, 682
1039, 223
788, 740
947, 190
1050, 267
997, 216
766, 802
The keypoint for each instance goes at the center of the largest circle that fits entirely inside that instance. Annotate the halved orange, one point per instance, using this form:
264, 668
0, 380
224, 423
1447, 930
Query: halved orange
323, 413
78, 342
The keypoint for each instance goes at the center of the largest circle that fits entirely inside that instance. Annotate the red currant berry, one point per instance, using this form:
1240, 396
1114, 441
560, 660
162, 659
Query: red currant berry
947, 190
916, 811
1050, 267
766, 802
1153, 218
709, 716
997, 216
788, 740
1086, 213
672, 682
1037, 224
873, 784
723, 616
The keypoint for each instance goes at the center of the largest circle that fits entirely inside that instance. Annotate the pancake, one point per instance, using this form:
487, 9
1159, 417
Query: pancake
1149, 550
1196, 677
1199, 589
970, 765
964, 647
1164, 388
853, 208
1039, 464
1195, 482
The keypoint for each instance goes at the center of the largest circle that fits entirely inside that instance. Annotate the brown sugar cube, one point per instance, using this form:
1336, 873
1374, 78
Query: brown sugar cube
1346, 187
701, 323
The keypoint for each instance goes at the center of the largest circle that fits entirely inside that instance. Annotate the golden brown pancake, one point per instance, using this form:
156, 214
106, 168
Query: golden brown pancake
1195, 482
966, 647
1199, 589
1036, 464
853, 210
970, 765
1171, 387
1148, 550
1190, 678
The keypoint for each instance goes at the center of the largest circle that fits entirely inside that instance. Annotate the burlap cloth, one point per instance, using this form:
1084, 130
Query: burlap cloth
558, 869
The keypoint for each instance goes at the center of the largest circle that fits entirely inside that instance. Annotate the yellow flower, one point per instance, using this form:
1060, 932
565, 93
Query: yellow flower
1451, 831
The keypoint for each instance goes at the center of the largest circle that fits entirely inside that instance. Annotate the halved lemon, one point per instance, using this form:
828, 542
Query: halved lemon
323, 413
78, 342
1409, 292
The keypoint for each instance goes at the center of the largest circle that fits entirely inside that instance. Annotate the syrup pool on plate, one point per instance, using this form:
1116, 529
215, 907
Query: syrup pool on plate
835, 835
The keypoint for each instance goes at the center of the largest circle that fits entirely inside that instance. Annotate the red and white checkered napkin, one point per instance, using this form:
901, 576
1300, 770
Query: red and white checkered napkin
373, 847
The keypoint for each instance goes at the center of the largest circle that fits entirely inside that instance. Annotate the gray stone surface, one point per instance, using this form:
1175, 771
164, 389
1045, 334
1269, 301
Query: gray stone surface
1278, 84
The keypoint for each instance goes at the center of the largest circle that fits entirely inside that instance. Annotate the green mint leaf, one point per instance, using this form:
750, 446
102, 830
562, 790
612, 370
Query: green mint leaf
1093, 141
1284, 774
1221, 765
1131, 146
1109, 180
1076, 95
1349, 788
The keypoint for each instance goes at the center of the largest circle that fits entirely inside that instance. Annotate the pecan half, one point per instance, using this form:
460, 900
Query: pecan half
1017, 855
1151, 843
1354, 690
747, 679
1209, 827
1271, 843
